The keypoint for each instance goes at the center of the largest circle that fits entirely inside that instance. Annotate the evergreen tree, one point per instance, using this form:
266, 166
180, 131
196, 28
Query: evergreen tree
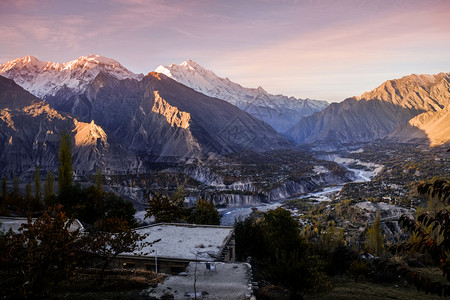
16, 192
4, 189
374, 237
37, 185
28, 197
167, 209
49, 189
204, 213
65, 170
99, 179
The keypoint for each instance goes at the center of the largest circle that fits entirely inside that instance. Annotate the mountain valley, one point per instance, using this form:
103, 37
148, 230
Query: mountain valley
338, 169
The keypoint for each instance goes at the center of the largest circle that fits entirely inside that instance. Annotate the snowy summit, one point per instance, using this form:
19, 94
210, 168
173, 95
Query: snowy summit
46, 78
280, 111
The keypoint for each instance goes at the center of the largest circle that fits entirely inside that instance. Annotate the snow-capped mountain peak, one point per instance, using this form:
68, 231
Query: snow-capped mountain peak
278, 110
92, 61
46, 78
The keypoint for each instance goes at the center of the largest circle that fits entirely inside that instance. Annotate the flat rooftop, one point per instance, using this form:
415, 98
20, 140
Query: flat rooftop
14, 223
185, 241
228, 281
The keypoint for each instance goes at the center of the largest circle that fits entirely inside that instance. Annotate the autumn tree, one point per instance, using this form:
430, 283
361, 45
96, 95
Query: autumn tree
374, 237
111, 237
49, 189
42, 254
431, 233
65, 170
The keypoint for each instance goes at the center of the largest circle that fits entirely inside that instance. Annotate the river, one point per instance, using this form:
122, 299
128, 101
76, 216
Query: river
228, 215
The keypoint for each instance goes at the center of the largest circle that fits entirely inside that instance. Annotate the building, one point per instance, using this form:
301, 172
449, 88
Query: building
179, 245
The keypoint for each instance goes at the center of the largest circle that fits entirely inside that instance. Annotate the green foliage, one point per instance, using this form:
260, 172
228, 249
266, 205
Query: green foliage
374, 237
91, 204
431, 236
37, 184
357, 269
4, 189
16, 192
204, 212
40, 256
280, 255
167, 209
250, 239
65, 170
282, 230
99, 179
28, 196
49, 189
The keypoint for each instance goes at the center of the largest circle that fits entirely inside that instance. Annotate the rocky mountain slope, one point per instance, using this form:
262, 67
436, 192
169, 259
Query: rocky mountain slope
279, 111
153, 116
159, 117
375, 114
432, 128
30, 132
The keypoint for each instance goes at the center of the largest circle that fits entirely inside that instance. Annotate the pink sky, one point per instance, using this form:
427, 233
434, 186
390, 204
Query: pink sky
309, 49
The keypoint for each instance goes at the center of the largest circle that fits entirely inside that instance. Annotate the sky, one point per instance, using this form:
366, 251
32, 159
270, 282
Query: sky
317, 49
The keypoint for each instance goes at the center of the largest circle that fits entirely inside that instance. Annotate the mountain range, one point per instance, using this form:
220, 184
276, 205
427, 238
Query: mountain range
379, 113
279, 111
124, 121
30, 132
150, 117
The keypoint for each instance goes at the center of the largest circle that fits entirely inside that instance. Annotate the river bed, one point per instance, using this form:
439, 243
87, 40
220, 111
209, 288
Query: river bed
229, 215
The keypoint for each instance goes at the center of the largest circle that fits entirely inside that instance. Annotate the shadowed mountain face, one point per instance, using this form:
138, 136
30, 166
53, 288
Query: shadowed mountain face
30, 132
159, 117
279, 111
432, 128
375, 114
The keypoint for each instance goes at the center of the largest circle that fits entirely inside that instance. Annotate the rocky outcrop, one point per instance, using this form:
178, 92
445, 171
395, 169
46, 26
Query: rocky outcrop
390, 214
173, 116
252, 195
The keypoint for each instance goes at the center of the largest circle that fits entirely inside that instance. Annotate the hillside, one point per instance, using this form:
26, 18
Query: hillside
432, 128
375, 114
